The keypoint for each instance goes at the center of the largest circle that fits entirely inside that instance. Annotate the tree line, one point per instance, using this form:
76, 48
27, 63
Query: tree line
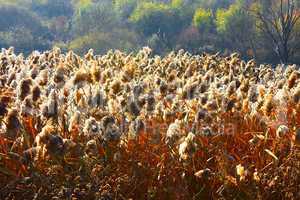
267, 30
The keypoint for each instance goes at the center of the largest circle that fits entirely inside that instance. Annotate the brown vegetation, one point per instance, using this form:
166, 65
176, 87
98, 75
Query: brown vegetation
123, 126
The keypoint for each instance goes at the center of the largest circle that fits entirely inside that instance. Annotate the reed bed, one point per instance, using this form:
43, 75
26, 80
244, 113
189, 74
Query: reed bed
141, 126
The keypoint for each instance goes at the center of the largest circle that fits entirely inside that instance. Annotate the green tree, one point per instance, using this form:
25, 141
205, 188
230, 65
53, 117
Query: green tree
124, 8
97, 25
19, 27
52, 8
203, 19
236, 27
23, 40
160, 19
212, 4
95, 17
12, 15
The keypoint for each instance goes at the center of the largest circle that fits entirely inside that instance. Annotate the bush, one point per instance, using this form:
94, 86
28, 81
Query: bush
103, 41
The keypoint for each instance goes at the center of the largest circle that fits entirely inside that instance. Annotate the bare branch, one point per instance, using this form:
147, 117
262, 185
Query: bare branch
278, 23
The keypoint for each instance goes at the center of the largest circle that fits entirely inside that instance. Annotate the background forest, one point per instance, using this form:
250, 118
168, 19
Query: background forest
195, 25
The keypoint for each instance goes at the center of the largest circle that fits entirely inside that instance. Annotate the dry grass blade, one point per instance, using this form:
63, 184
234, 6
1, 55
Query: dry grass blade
272, 155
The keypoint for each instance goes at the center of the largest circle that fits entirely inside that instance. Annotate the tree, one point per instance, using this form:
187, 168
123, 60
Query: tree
190, 39
159, 19
101, 42
52, 8
94, 17
19, 27
125, 7
236, 27
203, 19
23, 40
278, 22
13, 15
213, 4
